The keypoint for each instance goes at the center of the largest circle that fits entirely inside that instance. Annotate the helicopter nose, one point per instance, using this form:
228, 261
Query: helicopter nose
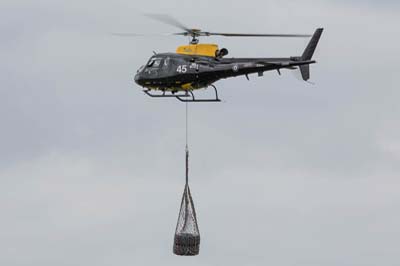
137, 79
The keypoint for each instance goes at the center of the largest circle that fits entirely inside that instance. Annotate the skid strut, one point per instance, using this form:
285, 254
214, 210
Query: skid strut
193, 99
187, 97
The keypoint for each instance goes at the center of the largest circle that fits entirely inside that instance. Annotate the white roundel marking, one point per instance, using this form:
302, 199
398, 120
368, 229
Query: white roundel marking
235, 68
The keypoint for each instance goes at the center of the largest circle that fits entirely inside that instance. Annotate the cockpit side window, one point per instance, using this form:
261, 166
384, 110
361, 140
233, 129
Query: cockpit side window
157, 62
150, 63
154, 62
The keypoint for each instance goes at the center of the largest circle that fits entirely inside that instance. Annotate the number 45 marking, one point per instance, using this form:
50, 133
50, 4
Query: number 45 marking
181, 69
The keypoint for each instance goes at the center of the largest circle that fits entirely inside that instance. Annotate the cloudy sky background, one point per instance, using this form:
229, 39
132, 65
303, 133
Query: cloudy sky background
282, 172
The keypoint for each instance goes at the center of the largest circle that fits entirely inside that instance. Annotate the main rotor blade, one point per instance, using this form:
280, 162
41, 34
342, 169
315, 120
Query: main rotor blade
255, 35
164, 18
139, 34
168, 20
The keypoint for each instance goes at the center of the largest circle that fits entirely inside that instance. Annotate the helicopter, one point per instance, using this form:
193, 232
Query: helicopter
198, 65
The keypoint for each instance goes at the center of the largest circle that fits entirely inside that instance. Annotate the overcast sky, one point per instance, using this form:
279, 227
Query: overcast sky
282, 172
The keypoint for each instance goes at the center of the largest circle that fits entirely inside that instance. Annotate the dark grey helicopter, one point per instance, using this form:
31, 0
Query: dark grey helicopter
197, 66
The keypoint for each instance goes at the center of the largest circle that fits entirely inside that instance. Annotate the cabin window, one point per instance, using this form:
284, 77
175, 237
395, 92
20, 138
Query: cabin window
166, 61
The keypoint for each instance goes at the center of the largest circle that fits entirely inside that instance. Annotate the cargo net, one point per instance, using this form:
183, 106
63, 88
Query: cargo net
187, 236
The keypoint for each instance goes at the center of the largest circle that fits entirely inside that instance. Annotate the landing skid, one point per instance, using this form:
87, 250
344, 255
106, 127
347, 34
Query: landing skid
164, 95
187, 97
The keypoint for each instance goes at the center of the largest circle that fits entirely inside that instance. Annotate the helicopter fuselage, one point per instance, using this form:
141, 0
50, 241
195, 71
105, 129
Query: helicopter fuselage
198, 66
178, 72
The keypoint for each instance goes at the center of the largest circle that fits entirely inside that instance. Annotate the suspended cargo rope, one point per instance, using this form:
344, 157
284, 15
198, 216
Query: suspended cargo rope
187, 235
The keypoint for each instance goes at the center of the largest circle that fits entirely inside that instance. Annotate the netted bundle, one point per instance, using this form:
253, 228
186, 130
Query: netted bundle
187, 236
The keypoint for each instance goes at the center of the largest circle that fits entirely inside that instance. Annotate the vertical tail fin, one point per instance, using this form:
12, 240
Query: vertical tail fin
309, 51
305, 72
308, 54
